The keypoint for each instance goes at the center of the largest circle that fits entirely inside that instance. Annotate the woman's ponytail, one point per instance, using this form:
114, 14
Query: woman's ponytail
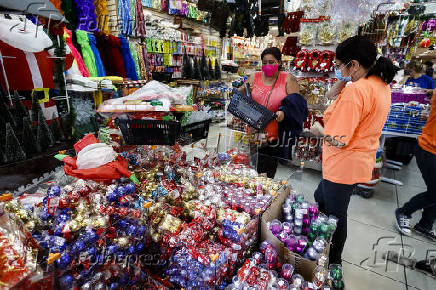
384, 69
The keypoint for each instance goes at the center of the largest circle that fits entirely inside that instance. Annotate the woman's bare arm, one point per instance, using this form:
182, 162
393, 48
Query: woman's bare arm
250, 80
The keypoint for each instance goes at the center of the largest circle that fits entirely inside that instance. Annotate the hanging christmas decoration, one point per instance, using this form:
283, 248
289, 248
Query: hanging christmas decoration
197, 71
55, 130
13, 150
217, 70
36, 107
44, 137
204, 67
20, 110
28, 140
211, 72
187, 70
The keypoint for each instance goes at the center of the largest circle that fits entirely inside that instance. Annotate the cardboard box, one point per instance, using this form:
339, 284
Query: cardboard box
302, 265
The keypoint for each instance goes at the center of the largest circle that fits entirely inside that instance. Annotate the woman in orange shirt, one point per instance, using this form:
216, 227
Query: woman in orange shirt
426, 159
352, 128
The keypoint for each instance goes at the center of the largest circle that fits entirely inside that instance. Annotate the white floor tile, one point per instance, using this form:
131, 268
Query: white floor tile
365, 246
409, 177
358, 278
377, 210
420, 250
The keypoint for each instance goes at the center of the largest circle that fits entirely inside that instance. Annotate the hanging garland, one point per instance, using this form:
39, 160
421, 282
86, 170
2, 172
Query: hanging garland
70, 13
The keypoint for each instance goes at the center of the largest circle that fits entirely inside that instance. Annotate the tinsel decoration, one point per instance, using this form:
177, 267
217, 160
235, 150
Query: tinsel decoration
101, 13
197, 71
129, 64
44, 137
36, 107
68, 120
6, 114
204, 67
2, 157
87, 53
187, 70
140, 19
20, 110
101, 72
70, 13
86, 15
55, 129
211, 72
134, 53
217, 70
13, 150
2, 129
28, 140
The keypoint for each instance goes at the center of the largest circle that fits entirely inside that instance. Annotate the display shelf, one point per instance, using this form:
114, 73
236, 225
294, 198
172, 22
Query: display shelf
14, 175
331, 47
398, 134
311, 74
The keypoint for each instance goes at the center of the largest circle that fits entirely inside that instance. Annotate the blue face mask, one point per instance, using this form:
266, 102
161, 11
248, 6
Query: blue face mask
338, 75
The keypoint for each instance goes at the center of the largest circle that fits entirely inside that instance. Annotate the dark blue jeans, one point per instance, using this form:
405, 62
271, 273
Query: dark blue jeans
426, 200
333, 199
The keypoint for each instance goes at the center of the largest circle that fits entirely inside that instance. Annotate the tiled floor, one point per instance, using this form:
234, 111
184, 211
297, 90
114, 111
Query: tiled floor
370, 229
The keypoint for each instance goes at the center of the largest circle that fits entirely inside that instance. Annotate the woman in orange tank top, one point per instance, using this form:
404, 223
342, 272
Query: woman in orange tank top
269, 88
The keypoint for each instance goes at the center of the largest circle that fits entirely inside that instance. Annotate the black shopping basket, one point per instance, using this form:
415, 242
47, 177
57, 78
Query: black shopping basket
194, 132
148, 132
249, 111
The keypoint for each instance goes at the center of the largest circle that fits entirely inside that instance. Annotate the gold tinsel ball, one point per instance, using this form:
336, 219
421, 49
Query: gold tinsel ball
74, 225
86, 222
30, 225
12, 206
99, 222
155, 237
123, 241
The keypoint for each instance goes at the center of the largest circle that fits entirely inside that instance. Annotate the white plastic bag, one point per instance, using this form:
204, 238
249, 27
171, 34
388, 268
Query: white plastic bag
95, 155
